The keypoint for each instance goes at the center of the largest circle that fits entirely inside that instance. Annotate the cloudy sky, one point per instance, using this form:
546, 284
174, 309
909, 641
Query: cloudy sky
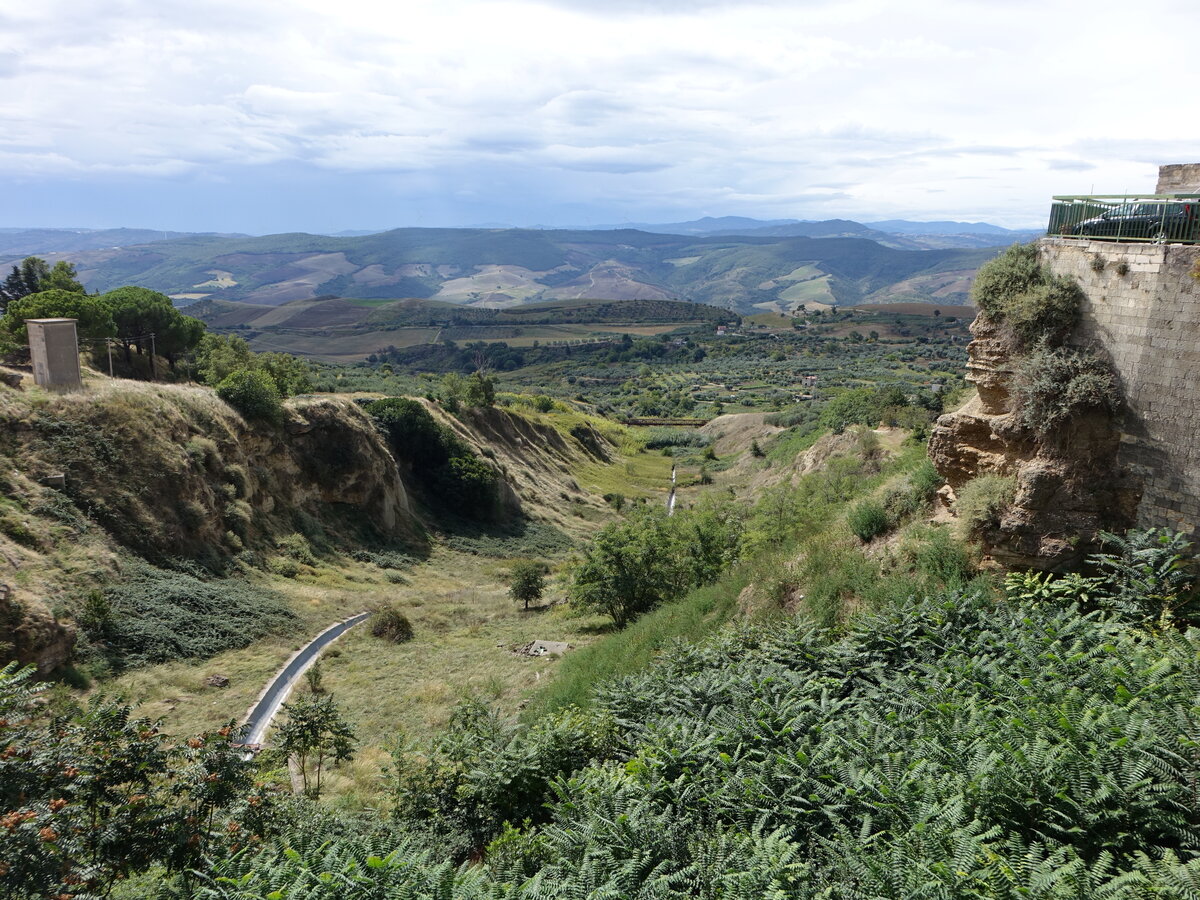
298, 115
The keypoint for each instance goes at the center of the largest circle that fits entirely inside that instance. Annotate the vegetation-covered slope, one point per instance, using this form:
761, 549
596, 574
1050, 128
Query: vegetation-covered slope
949, 747
501, 268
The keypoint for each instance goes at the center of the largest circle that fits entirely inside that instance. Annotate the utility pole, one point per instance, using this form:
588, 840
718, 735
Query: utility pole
108, 342
153, 373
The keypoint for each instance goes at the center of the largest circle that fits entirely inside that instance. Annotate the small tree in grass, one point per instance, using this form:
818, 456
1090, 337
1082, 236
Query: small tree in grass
527, 581
315, 731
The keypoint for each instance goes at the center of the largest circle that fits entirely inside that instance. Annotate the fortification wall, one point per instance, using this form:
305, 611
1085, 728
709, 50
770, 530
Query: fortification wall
1143, 309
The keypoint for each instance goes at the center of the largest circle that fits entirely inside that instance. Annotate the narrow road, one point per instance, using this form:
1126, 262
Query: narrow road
258, 719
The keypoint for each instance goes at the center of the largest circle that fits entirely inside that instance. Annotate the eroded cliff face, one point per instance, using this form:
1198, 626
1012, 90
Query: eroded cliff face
171, 472
1068, 485
168, 473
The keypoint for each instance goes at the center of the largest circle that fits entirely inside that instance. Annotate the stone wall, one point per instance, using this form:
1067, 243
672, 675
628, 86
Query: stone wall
1178, 179
1143, 309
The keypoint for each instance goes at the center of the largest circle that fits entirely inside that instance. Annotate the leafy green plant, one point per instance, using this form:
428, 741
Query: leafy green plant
983, 500
868, 519
527, 581
1016, 290
1054, 386
1148, 576
1048, 587
253, 393
296, 546
157, 616
640, 562
314, 732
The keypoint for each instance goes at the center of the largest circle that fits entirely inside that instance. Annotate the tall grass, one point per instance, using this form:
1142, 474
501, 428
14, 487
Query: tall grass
698, 614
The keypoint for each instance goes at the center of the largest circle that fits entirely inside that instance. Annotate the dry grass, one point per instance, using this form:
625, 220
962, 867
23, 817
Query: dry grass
465, 628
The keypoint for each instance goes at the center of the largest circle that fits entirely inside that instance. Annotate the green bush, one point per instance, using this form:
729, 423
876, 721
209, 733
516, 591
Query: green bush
868, 519
158, 616
469, 485
385, 559
283, 565
253, 393
1053, 386
415, 436
389, 623
983, 500
925, 481
1148, 576
649, 558
297, 547
1014, 289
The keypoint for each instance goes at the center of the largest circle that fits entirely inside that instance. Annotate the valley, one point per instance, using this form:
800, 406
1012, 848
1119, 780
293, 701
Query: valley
505, 268
772, 552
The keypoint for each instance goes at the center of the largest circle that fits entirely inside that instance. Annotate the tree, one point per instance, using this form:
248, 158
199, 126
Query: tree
140, 312
91, 798
291, 374
314, 732
632, 567
527, 581
479, 390
62, 277
93, 317
34, 275
218, 356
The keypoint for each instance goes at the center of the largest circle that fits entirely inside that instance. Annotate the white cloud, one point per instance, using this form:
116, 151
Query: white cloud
929, 108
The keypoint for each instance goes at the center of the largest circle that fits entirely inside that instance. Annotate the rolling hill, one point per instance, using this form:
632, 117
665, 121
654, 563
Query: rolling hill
501, 268
340, 330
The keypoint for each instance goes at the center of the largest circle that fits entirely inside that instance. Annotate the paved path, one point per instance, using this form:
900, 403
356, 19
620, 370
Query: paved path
258, 719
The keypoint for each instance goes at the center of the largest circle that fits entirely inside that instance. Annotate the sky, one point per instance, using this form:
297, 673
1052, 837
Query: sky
297, 115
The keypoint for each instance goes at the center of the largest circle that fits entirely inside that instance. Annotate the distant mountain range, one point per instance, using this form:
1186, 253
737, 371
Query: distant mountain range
732, 262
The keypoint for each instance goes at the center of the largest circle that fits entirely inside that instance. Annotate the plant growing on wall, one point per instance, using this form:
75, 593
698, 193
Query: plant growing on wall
1015, 290
1053, 386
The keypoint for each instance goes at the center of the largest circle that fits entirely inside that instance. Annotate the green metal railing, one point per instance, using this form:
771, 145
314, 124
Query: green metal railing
1158, 218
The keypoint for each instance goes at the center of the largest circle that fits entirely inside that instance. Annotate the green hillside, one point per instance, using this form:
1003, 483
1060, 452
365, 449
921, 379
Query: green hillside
514, 267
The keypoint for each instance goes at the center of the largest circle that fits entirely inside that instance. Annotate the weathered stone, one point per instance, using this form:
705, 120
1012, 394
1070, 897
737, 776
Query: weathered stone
219, 681
1068, 487
1147, 327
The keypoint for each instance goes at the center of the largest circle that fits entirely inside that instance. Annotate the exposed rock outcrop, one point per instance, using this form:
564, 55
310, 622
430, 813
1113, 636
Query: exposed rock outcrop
34, 637
1068, 484
171, 472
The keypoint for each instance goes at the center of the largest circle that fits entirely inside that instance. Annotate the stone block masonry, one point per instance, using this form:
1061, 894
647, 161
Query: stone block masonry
1143, 310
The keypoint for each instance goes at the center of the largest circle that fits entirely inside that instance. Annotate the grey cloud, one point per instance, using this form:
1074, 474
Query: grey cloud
1070, 165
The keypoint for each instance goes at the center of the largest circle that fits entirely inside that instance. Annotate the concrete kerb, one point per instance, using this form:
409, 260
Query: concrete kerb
262, 711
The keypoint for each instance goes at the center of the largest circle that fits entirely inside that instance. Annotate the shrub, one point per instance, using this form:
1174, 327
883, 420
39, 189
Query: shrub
253, 393
868, 519
385, 559
1016, 290
937, 556
238, 516
675, 437
389, 623
1148, 576
982, 500
1053, 386
297, 547
469, 484
158, 616
283, 565
414, 434
203, 452
925, 481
